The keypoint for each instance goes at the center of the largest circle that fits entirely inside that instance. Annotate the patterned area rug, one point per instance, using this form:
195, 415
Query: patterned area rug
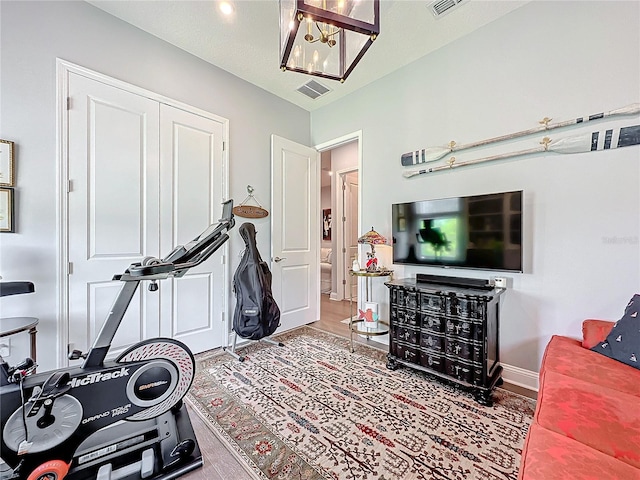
313, 410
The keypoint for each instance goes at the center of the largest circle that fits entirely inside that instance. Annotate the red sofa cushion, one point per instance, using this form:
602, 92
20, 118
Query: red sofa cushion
601, 418
595, 331
550, 456
567, 356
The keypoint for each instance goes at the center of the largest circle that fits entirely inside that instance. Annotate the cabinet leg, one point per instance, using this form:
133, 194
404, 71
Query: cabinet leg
483, 397
391, 362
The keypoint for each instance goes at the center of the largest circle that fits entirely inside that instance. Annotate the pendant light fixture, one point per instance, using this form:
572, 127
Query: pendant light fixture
326, 38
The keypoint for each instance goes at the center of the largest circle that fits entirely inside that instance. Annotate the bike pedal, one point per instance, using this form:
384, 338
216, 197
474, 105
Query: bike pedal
142, 468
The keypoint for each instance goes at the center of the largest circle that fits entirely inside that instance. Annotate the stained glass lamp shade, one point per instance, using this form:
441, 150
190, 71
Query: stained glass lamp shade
372, 238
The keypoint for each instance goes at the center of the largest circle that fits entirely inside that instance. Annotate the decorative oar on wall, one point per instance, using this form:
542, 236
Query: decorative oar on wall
586, 142
431, 154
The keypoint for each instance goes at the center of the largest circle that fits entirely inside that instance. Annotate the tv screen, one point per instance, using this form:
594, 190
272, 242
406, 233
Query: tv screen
481, 231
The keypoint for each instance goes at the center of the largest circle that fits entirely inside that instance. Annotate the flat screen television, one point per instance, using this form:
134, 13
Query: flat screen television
478, 232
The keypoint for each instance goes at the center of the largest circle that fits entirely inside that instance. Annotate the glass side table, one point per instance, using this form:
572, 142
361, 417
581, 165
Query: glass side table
13, 325
360, 327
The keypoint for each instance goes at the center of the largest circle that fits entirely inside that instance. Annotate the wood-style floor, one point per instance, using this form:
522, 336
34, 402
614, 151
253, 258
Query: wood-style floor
219, 462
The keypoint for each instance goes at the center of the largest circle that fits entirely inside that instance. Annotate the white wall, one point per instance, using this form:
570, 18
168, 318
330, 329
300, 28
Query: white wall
582, 212
33, 35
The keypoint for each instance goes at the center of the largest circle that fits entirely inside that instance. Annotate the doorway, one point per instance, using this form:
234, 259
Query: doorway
349, 188
340, 177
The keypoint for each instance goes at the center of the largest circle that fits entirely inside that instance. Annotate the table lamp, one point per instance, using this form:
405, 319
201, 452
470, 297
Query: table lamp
372, 238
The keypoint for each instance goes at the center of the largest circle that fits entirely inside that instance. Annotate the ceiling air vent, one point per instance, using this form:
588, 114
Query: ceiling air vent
442, 7
313, 89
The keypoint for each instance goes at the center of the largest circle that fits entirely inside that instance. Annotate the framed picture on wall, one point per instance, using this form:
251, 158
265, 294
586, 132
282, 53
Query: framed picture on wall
6, 163
6, 210
326, 224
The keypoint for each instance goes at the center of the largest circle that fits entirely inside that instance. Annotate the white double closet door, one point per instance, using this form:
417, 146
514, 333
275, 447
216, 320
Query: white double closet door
143, 177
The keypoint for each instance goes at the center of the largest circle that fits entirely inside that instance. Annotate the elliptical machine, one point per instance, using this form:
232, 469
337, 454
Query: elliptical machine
113, 420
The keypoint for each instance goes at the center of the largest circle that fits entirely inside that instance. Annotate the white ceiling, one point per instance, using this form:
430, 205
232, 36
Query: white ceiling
247, 43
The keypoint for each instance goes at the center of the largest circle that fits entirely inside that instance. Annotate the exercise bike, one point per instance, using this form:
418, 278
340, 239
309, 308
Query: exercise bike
109, 420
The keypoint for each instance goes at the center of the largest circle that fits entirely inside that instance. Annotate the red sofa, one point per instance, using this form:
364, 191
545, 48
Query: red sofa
587, 419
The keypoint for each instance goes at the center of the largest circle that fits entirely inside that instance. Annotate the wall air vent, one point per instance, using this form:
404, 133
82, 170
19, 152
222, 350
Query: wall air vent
313, 89
442, 7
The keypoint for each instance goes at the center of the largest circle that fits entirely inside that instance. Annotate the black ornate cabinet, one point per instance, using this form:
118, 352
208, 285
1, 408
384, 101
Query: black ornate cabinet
448, 331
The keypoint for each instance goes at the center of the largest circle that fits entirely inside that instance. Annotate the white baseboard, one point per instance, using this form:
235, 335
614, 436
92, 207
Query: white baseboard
520, 377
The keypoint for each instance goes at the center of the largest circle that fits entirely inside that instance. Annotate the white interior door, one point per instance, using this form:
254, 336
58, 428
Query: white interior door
112, 207
191, 165
295, 231
143, 178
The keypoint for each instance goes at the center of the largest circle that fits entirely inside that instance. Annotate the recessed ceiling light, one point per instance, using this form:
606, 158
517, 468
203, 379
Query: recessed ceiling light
226, 8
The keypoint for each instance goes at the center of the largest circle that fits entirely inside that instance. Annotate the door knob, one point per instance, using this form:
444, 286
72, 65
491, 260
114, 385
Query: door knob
278, 259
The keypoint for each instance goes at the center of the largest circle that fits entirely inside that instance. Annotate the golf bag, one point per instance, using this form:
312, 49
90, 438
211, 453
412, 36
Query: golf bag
256, 314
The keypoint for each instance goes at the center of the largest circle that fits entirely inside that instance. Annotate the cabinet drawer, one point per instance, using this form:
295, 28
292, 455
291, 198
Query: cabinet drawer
464, 329
432, 360
459, 369
466, 307
478, 375
408, 334
393, 330
404, 297
403, 316
408, 353
393, 343
470, 351
432, 323
432, 341
411, 299
432, 303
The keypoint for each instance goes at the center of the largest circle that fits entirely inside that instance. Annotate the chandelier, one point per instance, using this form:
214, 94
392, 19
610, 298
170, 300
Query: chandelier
326, 38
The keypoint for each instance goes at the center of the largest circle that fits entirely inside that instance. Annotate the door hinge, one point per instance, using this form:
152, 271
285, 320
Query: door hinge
222, 316
70, 186
224, 146
68, 103
344, 250
344, 282
70, 268
344, 186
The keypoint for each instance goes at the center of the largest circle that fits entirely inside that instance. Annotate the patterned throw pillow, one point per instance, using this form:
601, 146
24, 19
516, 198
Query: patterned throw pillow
623, 342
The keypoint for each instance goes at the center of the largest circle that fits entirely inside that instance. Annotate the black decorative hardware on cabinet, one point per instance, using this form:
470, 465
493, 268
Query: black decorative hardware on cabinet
448, 331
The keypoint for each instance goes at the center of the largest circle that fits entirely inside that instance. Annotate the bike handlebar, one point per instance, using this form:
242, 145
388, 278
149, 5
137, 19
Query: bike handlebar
184, 257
